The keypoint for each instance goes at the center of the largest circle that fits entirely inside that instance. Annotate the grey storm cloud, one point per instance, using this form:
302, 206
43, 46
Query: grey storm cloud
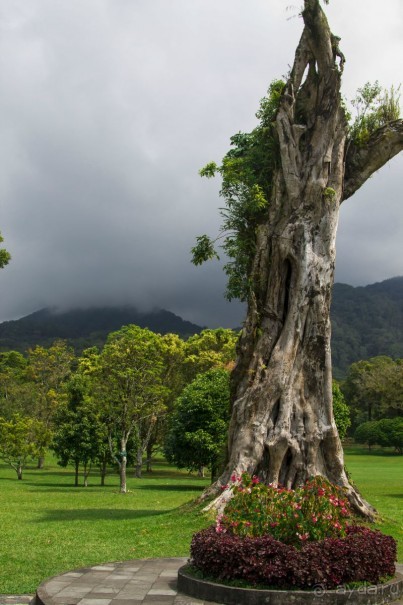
108, 109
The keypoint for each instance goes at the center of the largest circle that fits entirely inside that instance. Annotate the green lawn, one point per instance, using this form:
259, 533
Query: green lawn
379, 477
48, 526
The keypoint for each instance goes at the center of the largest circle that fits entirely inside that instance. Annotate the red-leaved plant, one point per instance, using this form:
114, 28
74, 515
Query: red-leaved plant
363, 555
316, 511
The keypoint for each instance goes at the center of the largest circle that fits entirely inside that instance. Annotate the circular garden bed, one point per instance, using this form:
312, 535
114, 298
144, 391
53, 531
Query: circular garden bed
277, 546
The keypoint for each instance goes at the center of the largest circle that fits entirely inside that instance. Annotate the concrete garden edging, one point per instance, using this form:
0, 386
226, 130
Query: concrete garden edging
229, 595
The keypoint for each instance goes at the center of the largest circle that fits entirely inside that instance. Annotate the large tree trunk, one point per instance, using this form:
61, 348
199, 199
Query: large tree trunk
282, 427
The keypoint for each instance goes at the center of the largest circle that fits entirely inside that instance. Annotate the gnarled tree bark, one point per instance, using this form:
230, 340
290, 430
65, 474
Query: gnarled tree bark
282, 427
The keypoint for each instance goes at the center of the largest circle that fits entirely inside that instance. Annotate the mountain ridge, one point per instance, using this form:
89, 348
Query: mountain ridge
366, 321
83, 327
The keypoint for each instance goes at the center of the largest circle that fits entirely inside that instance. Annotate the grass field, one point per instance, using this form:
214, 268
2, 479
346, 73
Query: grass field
379, 477
48, 526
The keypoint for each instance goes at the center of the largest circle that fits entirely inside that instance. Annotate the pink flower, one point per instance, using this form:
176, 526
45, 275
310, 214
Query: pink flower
303, 537
314, 519
255, 480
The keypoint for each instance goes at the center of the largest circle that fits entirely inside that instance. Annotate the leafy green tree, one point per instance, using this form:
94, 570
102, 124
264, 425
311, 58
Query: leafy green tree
209, 349
390, 433
387, 432
47, 371
341, 411
374, 388
367, 433
80, 435
128, 383
20, 440
173, 353
13, 391
198, 426
5, 257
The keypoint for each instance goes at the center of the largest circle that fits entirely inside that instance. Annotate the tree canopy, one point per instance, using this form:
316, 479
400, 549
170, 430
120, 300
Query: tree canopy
198, 425
5, 256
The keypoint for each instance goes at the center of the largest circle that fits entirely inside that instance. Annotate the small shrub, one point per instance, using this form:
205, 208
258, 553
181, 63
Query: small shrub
315, 511
363, 555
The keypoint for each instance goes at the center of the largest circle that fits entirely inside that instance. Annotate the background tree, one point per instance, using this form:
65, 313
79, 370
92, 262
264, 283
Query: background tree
367, 433
13, 391
199, 423
374, 389
173, 353
209, 349
48, 370
391, 433
21, 439
387, 432
341, 411
80, 435
127, 382
283, 184
5, 257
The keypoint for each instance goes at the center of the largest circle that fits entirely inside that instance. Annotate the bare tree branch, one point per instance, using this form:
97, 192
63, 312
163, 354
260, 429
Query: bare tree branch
363, 160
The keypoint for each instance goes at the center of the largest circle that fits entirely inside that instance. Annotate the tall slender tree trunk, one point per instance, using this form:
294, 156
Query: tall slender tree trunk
149, 456
282, 426
123, 466
139, 463
76, 467
87, 470
19, 472
103, 470
143, 443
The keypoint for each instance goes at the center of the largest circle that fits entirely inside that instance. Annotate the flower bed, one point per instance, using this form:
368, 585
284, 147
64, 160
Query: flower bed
291, 539
363, 555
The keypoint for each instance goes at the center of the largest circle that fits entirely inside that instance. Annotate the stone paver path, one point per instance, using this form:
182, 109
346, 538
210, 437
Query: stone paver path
148, 581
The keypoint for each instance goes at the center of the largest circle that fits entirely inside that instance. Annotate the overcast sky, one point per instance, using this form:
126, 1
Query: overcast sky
108, 108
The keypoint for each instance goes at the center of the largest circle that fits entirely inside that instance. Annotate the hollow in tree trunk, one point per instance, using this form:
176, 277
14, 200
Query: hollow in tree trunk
282, 427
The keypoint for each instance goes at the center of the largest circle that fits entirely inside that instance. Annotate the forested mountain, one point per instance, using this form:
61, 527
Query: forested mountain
366, 322
86, 327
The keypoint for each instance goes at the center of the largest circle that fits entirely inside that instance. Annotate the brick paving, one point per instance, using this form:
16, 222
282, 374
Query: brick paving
141, 581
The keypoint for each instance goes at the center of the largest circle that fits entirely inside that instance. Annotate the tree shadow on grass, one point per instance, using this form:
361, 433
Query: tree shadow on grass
36, 486
394, 495
170, 488
96, 514
39, 487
